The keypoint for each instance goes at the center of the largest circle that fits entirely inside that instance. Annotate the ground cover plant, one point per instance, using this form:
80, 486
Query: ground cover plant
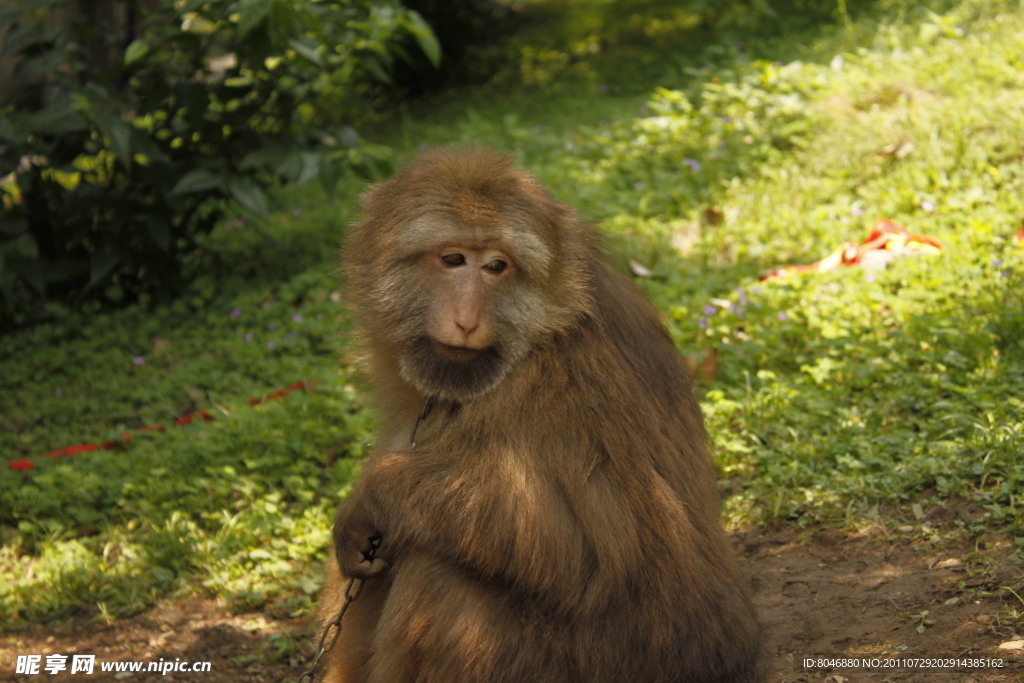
847, 398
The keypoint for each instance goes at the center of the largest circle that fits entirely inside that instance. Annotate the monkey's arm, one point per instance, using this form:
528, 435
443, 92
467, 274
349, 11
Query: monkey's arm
501, 518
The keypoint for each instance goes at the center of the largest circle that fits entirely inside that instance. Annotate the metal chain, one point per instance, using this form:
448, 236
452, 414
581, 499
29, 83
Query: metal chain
427, 405
332, 630
355, 586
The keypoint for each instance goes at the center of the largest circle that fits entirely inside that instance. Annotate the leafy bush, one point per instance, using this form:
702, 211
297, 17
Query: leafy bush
117, 167
752, 14
688, 147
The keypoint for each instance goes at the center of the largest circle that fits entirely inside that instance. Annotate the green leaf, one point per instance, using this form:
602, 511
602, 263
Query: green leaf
282, 15
764, 8
306, 50
160, 232
6, 279
349, 137
8, 131
101, 265
13, 227
248, 195
22, 35
56, 120
424, 36
142, 145
138, 49
289, 165
376, 69
197, 181
250, 14
119, 133
330, 173
200, 25
311, 163
264, 156
32, 273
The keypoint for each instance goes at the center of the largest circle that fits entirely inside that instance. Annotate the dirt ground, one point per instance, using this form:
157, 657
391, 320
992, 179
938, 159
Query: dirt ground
819, 592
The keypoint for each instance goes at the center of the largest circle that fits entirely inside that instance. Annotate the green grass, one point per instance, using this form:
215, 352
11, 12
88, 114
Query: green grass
843, 398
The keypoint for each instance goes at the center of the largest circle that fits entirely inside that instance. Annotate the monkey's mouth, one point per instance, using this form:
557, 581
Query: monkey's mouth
452, 372
459, 354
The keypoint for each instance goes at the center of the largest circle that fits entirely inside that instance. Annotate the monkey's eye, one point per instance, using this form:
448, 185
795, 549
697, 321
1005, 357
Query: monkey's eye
497, 265
455, 259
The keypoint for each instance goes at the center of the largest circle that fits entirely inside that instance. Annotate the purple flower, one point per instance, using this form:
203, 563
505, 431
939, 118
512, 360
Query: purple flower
271, 326
235, 312
870, 277
782, 316
741, 297
249, 336
997, 262
709, 310
139, 360
693, 164
702, 323
927, 205
1004, 273
856, 211
297, 318
271, 345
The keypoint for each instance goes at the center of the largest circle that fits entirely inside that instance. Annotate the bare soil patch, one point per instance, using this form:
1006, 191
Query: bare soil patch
840, 594
819, 592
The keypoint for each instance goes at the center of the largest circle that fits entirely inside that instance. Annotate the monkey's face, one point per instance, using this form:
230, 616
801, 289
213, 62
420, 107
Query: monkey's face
462, 347
461, 265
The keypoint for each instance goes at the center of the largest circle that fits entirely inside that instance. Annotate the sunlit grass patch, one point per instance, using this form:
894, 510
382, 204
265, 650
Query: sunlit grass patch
835, 394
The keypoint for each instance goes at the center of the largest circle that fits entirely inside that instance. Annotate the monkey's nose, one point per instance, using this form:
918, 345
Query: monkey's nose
467, 326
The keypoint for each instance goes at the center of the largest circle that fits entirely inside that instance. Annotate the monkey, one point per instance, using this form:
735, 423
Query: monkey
542, 487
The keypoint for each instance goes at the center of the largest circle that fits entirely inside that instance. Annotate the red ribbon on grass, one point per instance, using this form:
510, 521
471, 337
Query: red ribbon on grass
205, 416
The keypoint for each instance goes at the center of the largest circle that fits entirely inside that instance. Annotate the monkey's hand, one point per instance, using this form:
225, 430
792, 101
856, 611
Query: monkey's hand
356, 540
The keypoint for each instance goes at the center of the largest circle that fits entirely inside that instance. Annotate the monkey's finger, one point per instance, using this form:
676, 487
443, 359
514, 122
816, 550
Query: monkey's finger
367, 569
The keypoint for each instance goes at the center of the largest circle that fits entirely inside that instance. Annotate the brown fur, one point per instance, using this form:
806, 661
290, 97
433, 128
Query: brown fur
562, 526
